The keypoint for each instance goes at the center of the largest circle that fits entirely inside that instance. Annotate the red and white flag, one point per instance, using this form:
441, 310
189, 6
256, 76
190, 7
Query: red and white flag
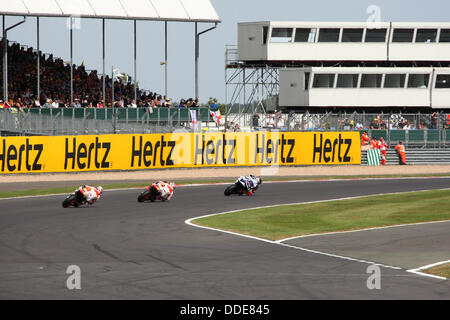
217, 117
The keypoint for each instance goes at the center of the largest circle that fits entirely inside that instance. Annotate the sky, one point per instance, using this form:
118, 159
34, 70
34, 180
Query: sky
54, 38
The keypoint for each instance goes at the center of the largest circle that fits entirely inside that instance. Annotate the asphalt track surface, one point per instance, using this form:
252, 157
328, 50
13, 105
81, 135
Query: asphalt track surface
131, 250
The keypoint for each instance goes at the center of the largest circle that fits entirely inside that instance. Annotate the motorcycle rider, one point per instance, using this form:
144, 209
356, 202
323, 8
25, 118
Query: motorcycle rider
165, 189
91, 194
252, 184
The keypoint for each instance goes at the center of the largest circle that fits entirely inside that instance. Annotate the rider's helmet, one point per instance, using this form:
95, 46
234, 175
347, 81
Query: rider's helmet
100, 189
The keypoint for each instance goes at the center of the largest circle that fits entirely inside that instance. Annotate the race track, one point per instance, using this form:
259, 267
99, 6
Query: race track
131, 250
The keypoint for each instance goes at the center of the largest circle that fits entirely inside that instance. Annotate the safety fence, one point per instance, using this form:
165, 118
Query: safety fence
414, 156
176, 150
75, 121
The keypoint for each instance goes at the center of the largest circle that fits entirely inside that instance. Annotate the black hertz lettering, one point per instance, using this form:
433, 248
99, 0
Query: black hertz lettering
83, 156
14, 158
147, 153
269, 149
330, 150
213, 152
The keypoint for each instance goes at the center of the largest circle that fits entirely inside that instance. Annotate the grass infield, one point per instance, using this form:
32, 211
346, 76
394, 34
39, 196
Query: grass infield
373, 211
56, 190
442, 270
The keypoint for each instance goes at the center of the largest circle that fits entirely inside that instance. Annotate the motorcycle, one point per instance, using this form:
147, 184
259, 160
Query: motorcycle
150, 193
239, 187
75, 199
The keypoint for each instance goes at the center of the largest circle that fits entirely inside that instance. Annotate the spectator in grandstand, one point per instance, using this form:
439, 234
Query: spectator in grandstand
48, 104
213, 105
255, 121
182, 104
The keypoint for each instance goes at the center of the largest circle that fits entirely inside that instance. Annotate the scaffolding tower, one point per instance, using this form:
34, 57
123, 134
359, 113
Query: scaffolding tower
249, 88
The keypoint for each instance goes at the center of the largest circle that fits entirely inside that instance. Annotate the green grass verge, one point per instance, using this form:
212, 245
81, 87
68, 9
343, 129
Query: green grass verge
375, 211
442, 270
46, 191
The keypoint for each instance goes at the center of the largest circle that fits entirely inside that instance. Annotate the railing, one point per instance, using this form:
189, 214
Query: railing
75, 121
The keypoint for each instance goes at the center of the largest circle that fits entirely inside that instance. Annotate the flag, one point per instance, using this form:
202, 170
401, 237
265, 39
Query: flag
195, 123
217, 117
373, 157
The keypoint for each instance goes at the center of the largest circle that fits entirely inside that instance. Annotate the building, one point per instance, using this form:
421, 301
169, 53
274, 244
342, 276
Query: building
352, 64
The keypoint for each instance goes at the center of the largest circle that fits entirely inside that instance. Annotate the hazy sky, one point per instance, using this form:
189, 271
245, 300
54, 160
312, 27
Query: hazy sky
150, 36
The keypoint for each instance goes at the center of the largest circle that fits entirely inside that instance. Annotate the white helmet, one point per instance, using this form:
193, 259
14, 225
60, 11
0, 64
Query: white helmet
100, 189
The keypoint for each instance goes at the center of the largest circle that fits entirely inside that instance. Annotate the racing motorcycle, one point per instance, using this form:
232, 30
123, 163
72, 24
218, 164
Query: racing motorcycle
75, 199
239, 187
150, 193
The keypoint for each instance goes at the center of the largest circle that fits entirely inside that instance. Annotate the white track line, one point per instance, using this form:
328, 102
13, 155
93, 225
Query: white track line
417, 270
280, 242
271, 181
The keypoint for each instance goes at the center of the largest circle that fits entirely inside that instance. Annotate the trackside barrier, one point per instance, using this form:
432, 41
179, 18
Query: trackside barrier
176, 150
373, 157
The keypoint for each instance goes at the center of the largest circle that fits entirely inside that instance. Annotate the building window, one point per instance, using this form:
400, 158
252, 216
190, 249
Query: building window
376, 35
418, 81
394, 81
426, 35
307, 75
305, 35
443, 81
329, 35
371, 80
403, 35
347, 81
265, 33
445, 35
352, 35
323, 80
282, 35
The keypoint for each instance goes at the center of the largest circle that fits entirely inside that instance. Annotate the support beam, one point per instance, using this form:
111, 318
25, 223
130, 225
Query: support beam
5, 56
197, 53
165, 59
71, 61
135, 59
103, 61
38, 62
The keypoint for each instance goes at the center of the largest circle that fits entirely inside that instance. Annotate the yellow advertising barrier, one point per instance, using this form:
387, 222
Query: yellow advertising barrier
176, 150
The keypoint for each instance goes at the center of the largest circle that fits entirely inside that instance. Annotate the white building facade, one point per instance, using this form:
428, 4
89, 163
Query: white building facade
332, 64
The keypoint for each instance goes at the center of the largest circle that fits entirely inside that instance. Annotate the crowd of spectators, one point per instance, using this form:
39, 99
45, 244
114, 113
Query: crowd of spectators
55, 88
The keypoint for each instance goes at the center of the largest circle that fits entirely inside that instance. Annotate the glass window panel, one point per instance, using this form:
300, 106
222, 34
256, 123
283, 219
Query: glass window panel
443, 81
376, 35
323, 80
394, 81
403, 35
265, 32
347, 81
445, 35
426, 35
282, 35
305, 35
352, 35
329, 35
371, 80
418, 80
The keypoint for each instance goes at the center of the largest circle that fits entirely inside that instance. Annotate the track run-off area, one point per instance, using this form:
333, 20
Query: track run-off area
131, 250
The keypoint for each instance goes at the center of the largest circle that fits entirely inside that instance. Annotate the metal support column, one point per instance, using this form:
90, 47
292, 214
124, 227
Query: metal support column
165, 58
38, 71
135, 71
103, 60
197, 53
71, 61
5, 56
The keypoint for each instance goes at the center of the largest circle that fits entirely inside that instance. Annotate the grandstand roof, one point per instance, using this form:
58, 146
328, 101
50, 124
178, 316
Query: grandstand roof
165, 10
